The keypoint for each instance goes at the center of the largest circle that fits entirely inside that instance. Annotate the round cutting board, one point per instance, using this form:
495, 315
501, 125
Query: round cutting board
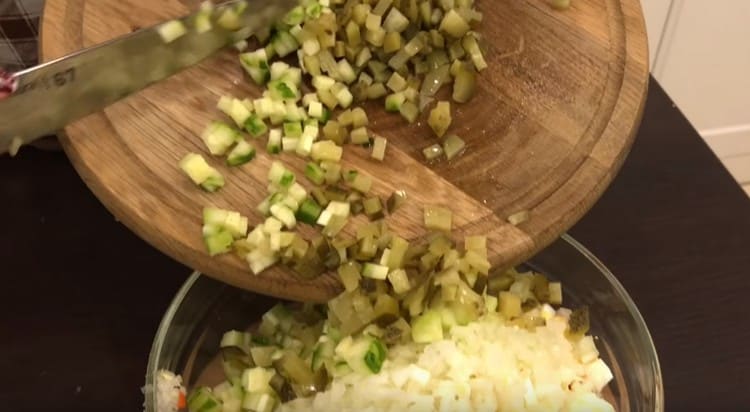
549, 127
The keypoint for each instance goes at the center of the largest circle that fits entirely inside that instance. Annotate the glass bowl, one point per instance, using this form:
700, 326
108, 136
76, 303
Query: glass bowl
188, 338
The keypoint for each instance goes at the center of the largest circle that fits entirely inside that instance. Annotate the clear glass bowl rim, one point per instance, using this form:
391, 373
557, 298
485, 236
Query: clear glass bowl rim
168, 317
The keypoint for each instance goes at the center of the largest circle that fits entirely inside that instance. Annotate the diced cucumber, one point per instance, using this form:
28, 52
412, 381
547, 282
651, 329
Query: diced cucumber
339, 369
358, 181
395, 21
453, 146
292, 129
378, 148
218, 243
314, 10
278, 69
276, 171
323, 83
344, 97
324, 351
326, 150
257, 379
259, 260
359, 135
297, 192
278, 317
235, 338
241, 154
264, 206
295, 16
248, 104
309, 98
315, 173
279, 175
325, 117
219, 137
375, 355
346, 71
255, 126
201, 173
333, 171
470, 44
263, 107
304, 146
490, 303
394, 101
292, 75
409, 111
281, 90
311, 46
399, 280
309, 211
262, 355
230, 396
225, 104
202, 21
284, 43
364, 354
315, 109
274, 141
437, 218
328, 98
334, 208
293, 112
396, 83
359, 117
290, 202
203, 400
259, 402
215, 220
284, 214
373, 271
280, 240
235, 109
171, 30
454, 25
334, 226
289, 144
230, 17
256, 65
428, 327
213, 216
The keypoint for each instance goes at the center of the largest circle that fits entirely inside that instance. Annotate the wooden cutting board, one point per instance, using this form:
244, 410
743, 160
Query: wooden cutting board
553, 120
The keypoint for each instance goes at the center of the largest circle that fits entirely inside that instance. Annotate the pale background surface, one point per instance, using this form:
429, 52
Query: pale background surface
700, 54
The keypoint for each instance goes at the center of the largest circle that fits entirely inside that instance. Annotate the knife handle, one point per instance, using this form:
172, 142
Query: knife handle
8, 83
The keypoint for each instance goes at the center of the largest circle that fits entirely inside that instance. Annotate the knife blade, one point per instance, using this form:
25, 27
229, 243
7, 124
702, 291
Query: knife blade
41, 100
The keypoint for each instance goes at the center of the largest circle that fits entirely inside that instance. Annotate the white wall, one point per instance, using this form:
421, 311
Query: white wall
703, 62
655, 13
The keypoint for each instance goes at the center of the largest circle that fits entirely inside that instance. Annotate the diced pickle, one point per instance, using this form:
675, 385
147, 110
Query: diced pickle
453, 146
440, 118
373, 208
555, 293
437, 218
464, 84
432, 152
578, 323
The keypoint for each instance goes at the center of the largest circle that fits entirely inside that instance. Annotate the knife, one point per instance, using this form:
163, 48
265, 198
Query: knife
41, 100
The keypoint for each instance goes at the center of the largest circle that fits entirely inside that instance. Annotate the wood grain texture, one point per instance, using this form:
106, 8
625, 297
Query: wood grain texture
547, 132
673, 226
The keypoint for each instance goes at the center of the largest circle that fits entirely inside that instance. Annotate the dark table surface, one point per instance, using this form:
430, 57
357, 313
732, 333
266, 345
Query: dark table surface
82, 296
